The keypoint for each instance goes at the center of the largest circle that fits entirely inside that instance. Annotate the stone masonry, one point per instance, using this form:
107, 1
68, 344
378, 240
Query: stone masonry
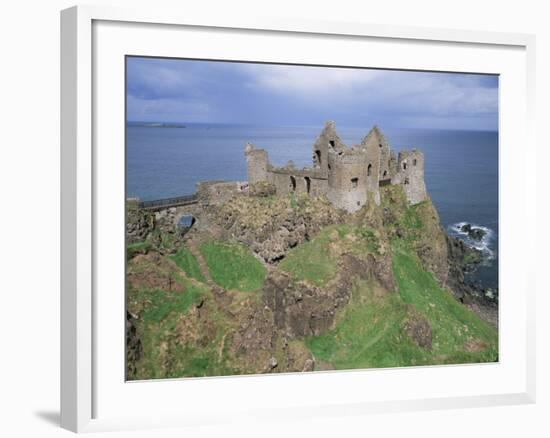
348, 176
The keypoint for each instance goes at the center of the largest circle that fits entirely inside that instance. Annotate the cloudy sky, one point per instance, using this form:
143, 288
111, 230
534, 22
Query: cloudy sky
173, 90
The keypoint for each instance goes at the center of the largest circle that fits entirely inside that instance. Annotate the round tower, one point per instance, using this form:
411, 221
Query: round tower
410, 173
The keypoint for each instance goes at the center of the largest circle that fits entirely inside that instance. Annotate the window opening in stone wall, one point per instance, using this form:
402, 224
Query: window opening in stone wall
404, 165
354, 182
293, 183
331, 142
414, 162
318, 156
308, 184
369, 169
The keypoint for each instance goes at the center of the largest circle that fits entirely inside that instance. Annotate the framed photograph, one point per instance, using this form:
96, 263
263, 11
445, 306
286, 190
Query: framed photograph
257, 209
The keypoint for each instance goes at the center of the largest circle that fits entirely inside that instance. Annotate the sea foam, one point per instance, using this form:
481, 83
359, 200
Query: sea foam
483, 245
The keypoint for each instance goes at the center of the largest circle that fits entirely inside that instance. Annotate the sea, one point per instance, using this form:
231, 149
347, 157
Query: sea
461, 168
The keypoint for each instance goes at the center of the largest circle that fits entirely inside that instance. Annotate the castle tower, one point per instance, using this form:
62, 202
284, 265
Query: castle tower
410, 174
257, 163
371, 146
375, 138
327, 141
347, 179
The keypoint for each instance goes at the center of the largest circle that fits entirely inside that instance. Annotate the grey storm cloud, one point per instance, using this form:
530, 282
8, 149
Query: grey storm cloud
207, 91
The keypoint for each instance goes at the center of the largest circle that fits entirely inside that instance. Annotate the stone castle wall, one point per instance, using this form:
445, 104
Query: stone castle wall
348, 177
347, 180
410, 174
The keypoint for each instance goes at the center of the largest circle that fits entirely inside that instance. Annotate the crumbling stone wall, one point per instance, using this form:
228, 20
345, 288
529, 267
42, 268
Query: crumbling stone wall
379, 149
371, 147
410, 174
327, 141
256, 163
301, 182
219, 192
348, 177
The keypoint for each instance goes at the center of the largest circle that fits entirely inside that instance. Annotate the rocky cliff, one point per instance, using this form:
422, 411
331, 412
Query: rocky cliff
285, 283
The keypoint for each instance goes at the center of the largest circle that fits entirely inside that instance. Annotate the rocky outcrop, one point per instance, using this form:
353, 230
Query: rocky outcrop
301, 310
418, 329
255, 335
378, 269
134, 348
272, 227
139, 223
461, 258
473, 232
262, 189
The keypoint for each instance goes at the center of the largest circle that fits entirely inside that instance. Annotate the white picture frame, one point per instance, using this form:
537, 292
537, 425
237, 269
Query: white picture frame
90, 401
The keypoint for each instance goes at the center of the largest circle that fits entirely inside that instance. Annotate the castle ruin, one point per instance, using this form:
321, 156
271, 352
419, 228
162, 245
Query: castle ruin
348, 177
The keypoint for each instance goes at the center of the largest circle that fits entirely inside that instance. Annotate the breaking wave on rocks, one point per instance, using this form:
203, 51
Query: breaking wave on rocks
475, 236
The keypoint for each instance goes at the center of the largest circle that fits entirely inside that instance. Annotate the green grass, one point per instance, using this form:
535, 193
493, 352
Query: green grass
167, 354
311, 261
368, 334
232, 266
137, 248
170, 347
471, 257
188, 263
452, 323
163, 303
369, 331
294, 202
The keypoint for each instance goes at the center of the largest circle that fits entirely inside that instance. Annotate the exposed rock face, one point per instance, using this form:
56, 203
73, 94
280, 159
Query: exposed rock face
372, 269
474, 233
139, 223
419, 330
458, 253
272, 227
262, 189
301, 310
232, 332
166, 219
134, 348
255, 335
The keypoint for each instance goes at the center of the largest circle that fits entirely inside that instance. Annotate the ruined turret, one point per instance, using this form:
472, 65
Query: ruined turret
376, 140
348, 177
327, 141
410, 174
257, 163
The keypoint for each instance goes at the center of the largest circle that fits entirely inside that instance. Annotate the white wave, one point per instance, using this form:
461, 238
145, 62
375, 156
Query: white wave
483, 245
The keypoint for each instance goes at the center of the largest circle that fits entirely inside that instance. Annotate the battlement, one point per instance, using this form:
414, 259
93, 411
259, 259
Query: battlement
347, 176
